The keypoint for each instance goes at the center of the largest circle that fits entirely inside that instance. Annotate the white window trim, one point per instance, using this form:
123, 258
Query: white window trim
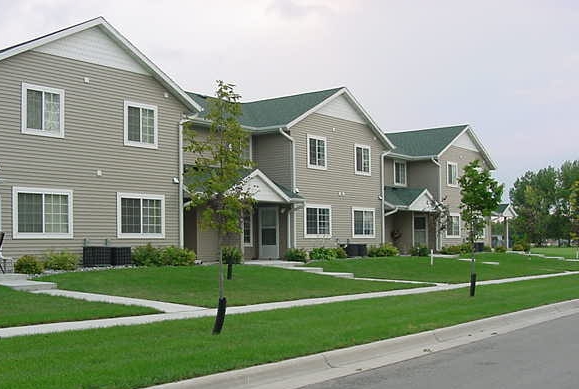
459, 226
40, 235
373, 210
317, 167
24, 111
250, 243
405, 173
316, 236
142, 235
360, 172
145, 145
448, 163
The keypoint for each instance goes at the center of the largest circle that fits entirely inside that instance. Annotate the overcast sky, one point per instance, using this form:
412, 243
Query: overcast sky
509, 68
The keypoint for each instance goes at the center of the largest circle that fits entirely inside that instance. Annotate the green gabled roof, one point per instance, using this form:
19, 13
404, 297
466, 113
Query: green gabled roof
502, 207
278, 111
427, 142
401, 197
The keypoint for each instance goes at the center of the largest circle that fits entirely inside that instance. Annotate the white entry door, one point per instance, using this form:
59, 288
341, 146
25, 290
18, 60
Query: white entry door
268, 233
420, 231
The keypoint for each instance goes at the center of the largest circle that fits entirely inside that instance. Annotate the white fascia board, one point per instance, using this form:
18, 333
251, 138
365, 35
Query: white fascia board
357, 106
411, 158
426, 193
112, 33
468, 129
269, 183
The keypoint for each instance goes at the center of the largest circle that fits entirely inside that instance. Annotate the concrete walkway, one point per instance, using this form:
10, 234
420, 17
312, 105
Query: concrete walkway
196, 312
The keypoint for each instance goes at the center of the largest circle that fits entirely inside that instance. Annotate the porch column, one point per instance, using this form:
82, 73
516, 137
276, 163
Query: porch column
507, 231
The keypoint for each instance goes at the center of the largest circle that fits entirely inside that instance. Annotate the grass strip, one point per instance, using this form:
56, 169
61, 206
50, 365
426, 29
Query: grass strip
144, 355
198, 285
565, 252
21, 308
447, 270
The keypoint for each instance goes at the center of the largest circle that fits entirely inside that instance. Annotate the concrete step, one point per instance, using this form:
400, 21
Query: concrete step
13, 277
339, 275
28, 286
308, 269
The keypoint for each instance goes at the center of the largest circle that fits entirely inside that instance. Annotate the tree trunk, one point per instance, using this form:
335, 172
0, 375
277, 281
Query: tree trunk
222, 303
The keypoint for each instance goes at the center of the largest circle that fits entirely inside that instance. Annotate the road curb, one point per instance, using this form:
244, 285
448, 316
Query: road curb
297, 372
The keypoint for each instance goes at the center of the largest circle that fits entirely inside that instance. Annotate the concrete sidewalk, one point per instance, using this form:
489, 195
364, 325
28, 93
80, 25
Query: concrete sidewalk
298, 372
196, 312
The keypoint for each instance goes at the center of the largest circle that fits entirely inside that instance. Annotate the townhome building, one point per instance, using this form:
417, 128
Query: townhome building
424, 167
89, 129
318, 174
92, 154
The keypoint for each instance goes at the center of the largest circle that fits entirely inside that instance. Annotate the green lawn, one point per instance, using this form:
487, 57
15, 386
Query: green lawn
567, 252
447, 270
198, 285
22, 308
144, 355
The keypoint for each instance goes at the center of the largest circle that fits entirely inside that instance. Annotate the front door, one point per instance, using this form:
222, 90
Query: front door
420, 231
268, 233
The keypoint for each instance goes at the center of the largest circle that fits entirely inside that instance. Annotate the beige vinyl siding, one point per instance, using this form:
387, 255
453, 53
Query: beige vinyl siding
93, 140
272, 155
461, 157
324, 186
423, 174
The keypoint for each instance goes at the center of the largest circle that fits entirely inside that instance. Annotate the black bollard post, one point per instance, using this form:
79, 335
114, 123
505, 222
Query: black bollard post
472, 284
220, 318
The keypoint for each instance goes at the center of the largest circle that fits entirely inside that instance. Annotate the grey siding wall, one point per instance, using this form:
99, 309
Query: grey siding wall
272, 154
324, 186
462, 157
403, 224
93, 140
423, 174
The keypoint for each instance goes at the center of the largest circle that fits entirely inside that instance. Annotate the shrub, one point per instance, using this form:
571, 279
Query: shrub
386, 250
487, 249
340, 252
175, 256
450, 250
420, 251
298, 255
518, 247
231, 255
28, 264
146, 256
322, 254
466, 248
500, 249
61, 261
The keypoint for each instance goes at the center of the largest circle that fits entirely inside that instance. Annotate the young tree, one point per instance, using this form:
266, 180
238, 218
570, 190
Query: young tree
438, 217
217, 188
481, 195
574, 214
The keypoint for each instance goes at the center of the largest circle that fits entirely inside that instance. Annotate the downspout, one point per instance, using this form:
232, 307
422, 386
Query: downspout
381, 196
181, 214
438, 233
293, 186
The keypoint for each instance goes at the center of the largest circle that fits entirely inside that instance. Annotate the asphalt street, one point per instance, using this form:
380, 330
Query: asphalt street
537, 357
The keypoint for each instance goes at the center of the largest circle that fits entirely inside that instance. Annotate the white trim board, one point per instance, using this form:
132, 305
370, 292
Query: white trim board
120, 40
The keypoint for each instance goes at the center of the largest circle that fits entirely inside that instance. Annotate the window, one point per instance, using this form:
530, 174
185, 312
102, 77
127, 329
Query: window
246, 153
318, 221
317, 155
42, 213
248, 229
140, 125
42, 111
363, 222
362, 159
452, 174
140, 216
400, 173
453, 226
